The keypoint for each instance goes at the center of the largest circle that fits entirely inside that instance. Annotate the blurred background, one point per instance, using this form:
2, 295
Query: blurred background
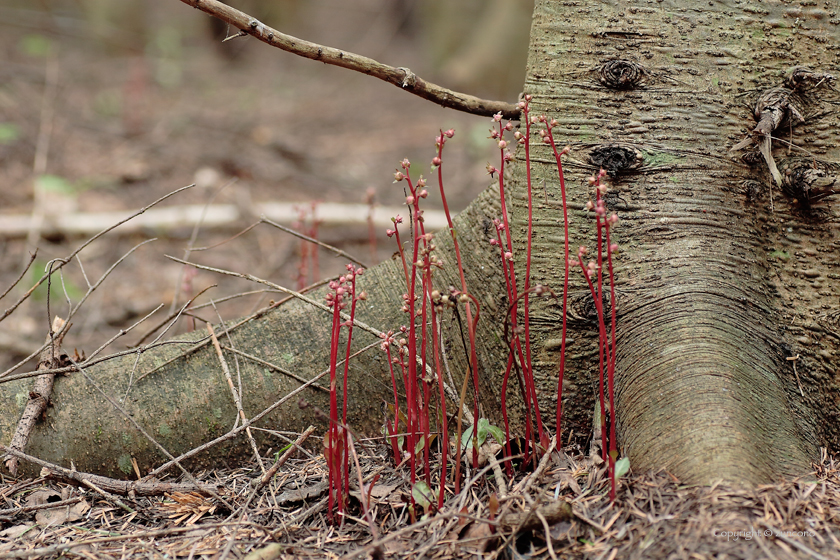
106, 106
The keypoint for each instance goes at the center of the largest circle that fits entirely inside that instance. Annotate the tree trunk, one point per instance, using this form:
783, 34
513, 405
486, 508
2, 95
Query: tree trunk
717, 286
709, 268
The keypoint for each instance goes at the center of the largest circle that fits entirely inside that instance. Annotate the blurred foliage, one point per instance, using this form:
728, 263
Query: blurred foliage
9, 132
35, 45
58, 285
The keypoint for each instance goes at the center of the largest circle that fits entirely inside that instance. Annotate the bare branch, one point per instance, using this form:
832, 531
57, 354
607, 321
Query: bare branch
400, 77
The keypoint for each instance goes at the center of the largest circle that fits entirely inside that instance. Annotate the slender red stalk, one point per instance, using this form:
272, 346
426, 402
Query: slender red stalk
530, 396
350, 277
436, 353
441, 140
335, 497
526, 302
611, 361
313, 233
506, 378
386, 346
602, 339
557, 157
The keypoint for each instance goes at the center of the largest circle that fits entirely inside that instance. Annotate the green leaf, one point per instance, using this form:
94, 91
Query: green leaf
9, 132
422, 494
497, 433
622, 466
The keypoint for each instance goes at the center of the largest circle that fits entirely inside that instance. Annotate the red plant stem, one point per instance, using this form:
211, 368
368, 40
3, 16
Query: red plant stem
611, 365
530, 392
602, 338
394, 446
424, 417
401, 249
526, 321
565, 282
335, 474
470, 322
506, 378
313, 233
352, 294
436, 352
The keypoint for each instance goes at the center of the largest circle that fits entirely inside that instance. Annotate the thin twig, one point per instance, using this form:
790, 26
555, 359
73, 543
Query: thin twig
266, 477
122, 487
403, 78
299, 235
22, 274
236, 400
140, 429
233, 433
70, 257
73, 309
275, 367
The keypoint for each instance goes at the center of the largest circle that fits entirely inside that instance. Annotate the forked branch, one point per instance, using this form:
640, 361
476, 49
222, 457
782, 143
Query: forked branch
400, 77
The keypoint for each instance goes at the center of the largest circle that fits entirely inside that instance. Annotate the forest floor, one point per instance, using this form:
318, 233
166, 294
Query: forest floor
116, 121
561, 510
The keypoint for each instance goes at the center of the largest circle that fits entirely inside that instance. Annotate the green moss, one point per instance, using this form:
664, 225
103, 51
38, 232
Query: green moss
656, 159
164, 430
124, 463
783, 256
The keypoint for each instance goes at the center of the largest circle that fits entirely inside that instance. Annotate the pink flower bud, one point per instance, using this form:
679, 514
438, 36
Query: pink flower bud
449, 133
582, 251
405, 163
528, 97
436, 161
497, 117
397, 220
614, 247
589, 205
613, 219
398, 176
502, 144
409, 200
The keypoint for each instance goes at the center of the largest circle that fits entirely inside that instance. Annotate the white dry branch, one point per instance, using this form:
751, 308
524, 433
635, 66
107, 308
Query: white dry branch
216, 215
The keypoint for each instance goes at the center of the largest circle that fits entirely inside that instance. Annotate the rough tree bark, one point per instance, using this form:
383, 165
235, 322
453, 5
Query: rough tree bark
717, 286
